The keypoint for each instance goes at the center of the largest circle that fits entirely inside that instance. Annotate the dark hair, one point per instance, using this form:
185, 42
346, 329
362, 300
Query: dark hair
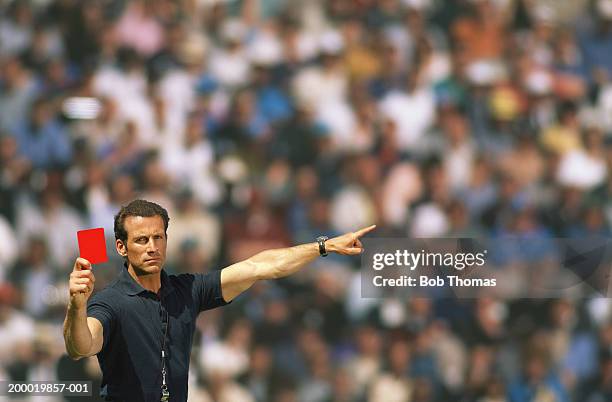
138, 208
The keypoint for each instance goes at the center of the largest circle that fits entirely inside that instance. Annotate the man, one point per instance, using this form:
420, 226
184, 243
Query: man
141, 326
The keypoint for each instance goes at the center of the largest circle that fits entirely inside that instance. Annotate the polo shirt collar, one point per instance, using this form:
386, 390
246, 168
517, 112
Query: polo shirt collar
129, 286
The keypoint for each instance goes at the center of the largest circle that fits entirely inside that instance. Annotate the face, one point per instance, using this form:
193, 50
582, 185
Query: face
145, 248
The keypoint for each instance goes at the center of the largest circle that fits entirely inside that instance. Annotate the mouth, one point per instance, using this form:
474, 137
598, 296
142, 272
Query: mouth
153, 260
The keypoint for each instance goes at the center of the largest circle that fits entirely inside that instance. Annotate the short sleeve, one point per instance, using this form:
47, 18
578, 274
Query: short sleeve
99, 308
207, 290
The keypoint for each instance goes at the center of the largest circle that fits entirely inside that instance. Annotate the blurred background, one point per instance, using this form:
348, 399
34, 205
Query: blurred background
264, 123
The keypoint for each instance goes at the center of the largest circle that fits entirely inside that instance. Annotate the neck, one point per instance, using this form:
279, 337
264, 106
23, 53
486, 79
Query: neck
151, 282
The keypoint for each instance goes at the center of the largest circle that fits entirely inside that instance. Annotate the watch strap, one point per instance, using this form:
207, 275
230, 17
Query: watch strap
321, 241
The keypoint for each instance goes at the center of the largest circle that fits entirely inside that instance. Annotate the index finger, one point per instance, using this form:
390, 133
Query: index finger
364, 231
81, 263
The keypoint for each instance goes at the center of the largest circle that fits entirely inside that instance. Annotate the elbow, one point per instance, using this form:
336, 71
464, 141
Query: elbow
267, 265
74, 356
257, 272
72, 353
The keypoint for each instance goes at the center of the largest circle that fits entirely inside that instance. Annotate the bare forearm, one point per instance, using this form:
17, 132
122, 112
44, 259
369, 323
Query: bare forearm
269, 264
278, 263
77, 336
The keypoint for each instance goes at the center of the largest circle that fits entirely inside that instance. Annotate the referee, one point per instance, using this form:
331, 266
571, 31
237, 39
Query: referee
141, 326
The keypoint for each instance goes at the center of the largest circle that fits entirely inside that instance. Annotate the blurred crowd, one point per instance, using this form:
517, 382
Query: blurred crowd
265, 123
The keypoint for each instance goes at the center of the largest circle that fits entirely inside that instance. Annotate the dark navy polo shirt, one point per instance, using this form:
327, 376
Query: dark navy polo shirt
133, 321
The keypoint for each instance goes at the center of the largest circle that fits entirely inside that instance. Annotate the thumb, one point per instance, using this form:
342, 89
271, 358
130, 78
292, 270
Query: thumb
81, 264
354, 250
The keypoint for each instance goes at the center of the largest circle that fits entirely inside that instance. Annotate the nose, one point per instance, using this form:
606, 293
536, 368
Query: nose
152, 247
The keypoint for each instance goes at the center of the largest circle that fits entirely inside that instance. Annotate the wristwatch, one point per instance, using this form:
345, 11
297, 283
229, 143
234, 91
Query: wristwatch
321, 240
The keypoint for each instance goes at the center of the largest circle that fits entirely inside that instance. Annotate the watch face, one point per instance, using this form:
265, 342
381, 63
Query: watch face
321, 241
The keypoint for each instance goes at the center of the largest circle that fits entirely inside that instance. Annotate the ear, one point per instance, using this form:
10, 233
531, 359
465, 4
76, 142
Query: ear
121, 248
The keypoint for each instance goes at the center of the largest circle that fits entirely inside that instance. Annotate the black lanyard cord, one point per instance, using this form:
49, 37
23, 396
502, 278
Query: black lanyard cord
165, 394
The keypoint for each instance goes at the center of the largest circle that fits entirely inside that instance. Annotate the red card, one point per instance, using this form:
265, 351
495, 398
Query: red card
92, 245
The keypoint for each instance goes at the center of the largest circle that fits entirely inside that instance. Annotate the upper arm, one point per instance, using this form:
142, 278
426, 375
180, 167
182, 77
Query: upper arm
237, 278
97, 335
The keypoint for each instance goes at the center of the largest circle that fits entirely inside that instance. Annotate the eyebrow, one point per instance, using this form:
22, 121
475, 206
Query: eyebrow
140, 235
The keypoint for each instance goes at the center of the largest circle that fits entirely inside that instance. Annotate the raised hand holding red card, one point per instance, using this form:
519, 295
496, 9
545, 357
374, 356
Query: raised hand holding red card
92, 245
